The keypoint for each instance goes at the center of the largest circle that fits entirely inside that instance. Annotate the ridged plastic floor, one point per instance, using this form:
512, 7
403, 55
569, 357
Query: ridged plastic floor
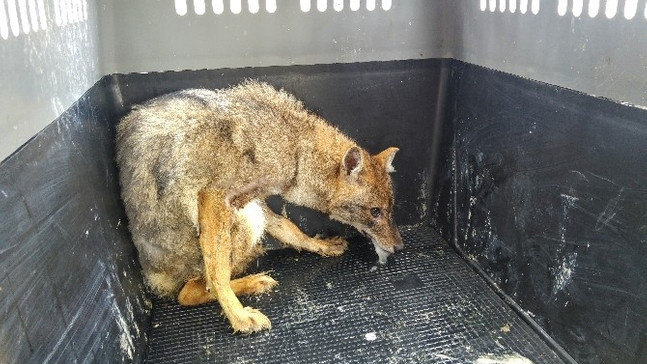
426, 306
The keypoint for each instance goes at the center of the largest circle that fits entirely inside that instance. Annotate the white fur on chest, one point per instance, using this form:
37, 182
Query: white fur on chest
254, 217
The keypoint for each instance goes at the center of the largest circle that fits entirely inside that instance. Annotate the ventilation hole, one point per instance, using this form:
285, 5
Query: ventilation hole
235, 6
65, 17
218, 6
645, 10
13, 17
502, 5
386, 5
270, 6
24, 17
4, 26
338, 5
354, 5
71, 14
79, 10
76, 11
322, 5
57, 14
594, 8
611, 9
492, 5
33, 15
41, 14
370, 5
534, 6
578, 6
199, 7
523, 6
180, 8
483, 5
71, 11
253, 6
72, 8
512, 6
631, 7
305, 5
561, 7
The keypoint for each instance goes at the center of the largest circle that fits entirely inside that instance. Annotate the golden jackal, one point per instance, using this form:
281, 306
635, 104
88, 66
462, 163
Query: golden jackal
196, 167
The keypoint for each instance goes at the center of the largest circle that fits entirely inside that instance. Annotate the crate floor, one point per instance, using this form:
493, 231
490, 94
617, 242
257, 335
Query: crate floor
426, 306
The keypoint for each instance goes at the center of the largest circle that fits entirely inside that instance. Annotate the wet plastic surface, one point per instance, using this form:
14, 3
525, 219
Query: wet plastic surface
426, 306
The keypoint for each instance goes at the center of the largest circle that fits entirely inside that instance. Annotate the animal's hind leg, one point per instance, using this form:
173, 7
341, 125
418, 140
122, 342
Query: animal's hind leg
216, 221
253, 284
195, 291
289, 234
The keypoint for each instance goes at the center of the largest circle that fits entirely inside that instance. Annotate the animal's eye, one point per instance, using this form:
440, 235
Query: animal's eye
376, 212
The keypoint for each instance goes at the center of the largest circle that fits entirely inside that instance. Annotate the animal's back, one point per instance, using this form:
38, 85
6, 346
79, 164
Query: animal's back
173, 146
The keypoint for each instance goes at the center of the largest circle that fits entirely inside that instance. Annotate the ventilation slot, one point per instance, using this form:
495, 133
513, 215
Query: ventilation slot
610, 8
22, 17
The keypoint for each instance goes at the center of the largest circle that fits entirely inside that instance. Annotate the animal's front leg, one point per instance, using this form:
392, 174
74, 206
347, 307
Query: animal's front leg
289, 234
216, 243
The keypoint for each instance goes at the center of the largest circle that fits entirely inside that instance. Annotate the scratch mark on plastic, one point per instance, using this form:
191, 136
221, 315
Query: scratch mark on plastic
603, 178
609, 212
580, 174
607, 287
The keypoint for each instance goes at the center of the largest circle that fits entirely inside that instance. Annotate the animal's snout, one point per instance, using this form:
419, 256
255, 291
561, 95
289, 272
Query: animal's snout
398, 244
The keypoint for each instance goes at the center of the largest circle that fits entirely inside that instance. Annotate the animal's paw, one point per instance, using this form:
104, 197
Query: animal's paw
262, 283
250, 320
332, 247
253, 284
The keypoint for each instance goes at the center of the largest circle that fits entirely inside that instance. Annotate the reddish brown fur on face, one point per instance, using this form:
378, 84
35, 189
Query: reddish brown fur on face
196, 167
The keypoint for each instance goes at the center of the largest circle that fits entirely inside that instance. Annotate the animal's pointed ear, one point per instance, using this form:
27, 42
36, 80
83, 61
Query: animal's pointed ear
352, 162
385, 158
